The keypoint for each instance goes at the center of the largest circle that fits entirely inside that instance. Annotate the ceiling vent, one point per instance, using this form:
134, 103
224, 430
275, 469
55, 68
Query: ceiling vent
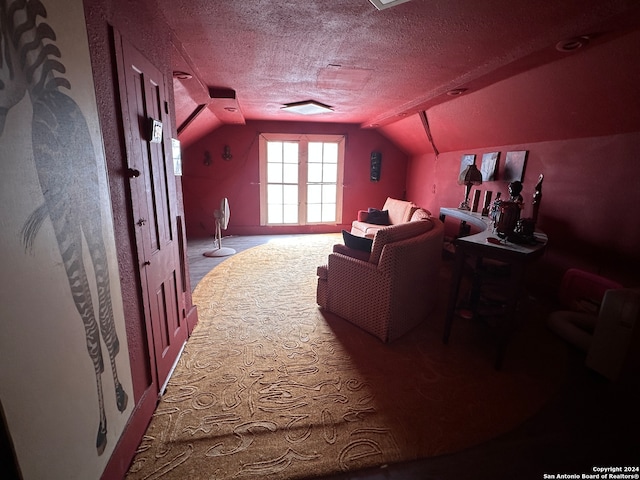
308, 107
382, 4
182, 75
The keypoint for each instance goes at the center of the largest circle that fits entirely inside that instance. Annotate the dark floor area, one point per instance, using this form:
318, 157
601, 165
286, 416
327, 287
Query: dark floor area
590, 422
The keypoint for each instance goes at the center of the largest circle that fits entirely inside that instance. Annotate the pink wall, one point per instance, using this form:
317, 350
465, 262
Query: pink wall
238, 179
591, 188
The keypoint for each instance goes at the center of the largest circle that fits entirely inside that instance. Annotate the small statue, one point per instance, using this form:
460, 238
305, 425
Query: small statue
515, 188
537, 198
495, 207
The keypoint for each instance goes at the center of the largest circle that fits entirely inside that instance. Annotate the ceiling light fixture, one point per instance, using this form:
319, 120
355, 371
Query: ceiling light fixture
382, 4
456, 91
572, 44
308, 107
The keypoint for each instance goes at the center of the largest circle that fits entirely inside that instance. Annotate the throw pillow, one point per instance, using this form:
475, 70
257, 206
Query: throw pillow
378, 217
357, 243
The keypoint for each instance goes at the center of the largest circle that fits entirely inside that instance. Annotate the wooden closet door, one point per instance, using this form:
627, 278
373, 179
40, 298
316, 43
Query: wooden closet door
154, 202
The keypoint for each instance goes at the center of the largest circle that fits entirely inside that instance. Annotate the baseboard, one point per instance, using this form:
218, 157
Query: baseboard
131, 437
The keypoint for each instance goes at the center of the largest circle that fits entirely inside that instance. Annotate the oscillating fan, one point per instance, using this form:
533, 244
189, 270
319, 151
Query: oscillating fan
222, 220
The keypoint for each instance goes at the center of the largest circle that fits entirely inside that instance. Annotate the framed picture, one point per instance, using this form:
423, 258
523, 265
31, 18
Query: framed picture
467, 159
514, 165
488, 167
177, 156
155, 134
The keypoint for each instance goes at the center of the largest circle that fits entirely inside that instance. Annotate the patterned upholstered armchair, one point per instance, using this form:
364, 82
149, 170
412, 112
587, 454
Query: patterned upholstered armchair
395, 289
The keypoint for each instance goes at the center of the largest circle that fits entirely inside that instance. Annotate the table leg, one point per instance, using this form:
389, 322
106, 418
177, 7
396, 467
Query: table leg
509, 323
476, 286
464, 229
453, 294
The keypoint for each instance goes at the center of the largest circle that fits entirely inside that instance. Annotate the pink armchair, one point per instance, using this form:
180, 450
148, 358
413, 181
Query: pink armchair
395, 289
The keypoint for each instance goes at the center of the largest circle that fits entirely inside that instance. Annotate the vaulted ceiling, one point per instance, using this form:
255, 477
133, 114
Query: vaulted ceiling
244, 60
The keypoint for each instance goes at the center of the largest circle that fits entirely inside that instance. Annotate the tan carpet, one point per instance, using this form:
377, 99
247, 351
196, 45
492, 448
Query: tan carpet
271, 387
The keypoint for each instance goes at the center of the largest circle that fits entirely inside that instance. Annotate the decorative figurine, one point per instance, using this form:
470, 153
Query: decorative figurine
507, 219
515, 188
537, 198
495, 207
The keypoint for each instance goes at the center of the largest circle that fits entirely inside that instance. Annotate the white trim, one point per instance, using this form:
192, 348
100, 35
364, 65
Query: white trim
173, 367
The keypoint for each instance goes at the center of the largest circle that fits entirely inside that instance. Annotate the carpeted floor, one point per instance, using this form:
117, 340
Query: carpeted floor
269, 386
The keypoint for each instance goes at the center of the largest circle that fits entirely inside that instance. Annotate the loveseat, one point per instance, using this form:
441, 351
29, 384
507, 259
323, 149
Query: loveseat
394, 212
395, 288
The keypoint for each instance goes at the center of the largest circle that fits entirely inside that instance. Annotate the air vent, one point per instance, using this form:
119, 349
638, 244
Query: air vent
182, 75
382, 4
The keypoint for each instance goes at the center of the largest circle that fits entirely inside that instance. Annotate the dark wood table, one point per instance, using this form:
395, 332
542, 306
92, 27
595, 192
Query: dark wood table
478, 245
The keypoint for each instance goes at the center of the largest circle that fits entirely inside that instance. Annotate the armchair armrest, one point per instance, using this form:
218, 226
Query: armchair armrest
354, 281
584, 291
360, 292
342, 263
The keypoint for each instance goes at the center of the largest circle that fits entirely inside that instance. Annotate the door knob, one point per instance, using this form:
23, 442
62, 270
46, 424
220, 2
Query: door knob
133, 172
145, 263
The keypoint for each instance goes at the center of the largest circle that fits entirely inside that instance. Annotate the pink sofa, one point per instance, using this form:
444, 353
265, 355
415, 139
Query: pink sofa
395, 288
400, 211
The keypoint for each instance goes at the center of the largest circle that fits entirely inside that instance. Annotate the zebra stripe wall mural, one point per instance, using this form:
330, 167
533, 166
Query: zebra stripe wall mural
73, 200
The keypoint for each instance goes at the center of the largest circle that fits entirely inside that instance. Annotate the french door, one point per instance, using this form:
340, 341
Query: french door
301, 179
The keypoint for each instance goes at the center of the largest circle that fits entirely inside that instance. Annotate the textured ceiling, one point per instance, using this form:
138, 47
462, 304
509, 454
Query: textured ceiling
248, 58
